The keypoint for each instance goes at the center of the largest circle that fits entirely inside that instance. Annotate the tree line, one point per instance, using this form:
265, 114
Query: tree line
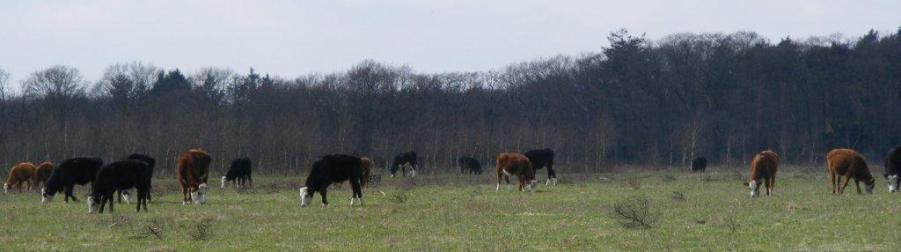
637, 101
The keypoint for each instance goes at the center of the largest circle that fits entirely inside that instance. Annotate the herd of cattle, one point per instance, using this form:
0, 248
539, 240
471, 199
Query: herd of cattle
136, 172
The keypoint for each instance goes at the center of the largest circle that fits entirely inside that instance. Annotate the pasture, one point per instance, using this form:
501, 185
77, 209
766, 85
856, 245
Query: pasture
710, 211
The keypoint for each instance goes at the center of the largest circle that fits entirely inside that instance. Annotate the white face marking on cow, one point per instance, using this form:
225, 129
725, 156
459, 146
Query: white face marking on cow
44, 197
92, 206
753, 187
200, 194
305, 197
223, 182
893, 183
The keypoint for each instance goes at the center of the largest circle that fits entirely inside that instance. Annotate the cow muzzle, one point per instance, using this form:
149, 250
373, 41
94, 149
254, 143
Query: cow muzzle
305, 197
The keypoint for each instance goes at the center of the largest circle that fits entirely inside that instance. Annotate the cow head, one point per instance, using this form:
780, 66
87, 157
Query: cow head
870, 185
533, 185
45, 196
753, 185
199, 196
93, 205
892, 182
223, 182
305, 196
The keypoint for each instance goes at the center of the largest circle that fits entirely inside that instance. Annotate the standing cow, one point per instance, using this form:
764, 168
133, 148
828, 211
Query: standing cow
42, 173
893, 169
22, 173
120, 176
543, 158
148, 173
192, 171
469, 165
851, 165
70, 172
330, 169
401, 161
239, 173
510, 164
763, 171
699, 164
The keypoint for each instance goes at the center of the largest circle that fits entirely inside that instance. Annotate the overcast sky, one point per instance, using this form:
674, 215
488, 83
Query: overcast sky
292, 37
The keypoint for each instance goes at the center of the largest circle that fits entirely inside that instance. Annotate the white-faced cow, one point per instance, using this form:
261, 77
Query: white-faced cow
851, 165
893, 169
70, 172
192, 171
330, 169
151, 162
120, 176
238, 173
22, 173
763, 171
469, 165
543, 158
401, 161
515, 164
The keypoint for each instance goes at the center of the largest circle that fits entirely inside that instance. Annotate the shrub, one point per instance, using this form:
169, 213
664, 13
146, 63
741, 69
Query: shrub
634, 212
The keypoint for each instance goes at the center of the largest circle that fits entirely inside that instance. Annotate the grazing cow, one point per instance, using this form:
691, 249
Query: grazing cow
123, 194
763, 171
192, 171
469, 165
893, 169
330, 169
70, 172
851, 165
20, 174
366, 164
42, 173
699, 164
119, 176
238, 173
543, 158
401, 161
509, 164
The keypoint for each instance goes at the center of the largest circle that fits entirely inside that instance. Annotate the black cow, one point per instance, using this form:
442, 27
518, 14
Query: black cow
893, 169
70, 172
118, 176
543, 158
238, 173
401, 161
469, 165
149, 173
699, 164
330, 169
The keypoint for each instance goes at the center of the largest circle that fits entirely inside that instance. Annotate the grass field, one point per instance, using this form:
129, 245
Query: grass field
710, 211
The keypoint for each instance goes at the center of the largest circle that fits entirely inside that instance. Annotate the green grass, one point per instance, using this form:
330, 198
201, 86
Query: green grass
459, 213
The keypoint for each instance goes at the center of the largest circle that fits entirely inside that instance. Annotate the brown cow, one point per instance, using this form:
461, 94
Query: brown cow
367, 171
19, 174
42, 173
848, 163
763, 167
509, 164
193, 168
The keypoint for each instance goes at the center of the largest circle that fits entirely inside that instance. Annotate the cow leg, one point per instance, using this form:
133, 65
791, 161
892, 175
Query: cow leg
250, 179
551, 174
184, 195
70, 193
832, 181
857, 184
841, 190
358, 192
323, 193
500, 174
